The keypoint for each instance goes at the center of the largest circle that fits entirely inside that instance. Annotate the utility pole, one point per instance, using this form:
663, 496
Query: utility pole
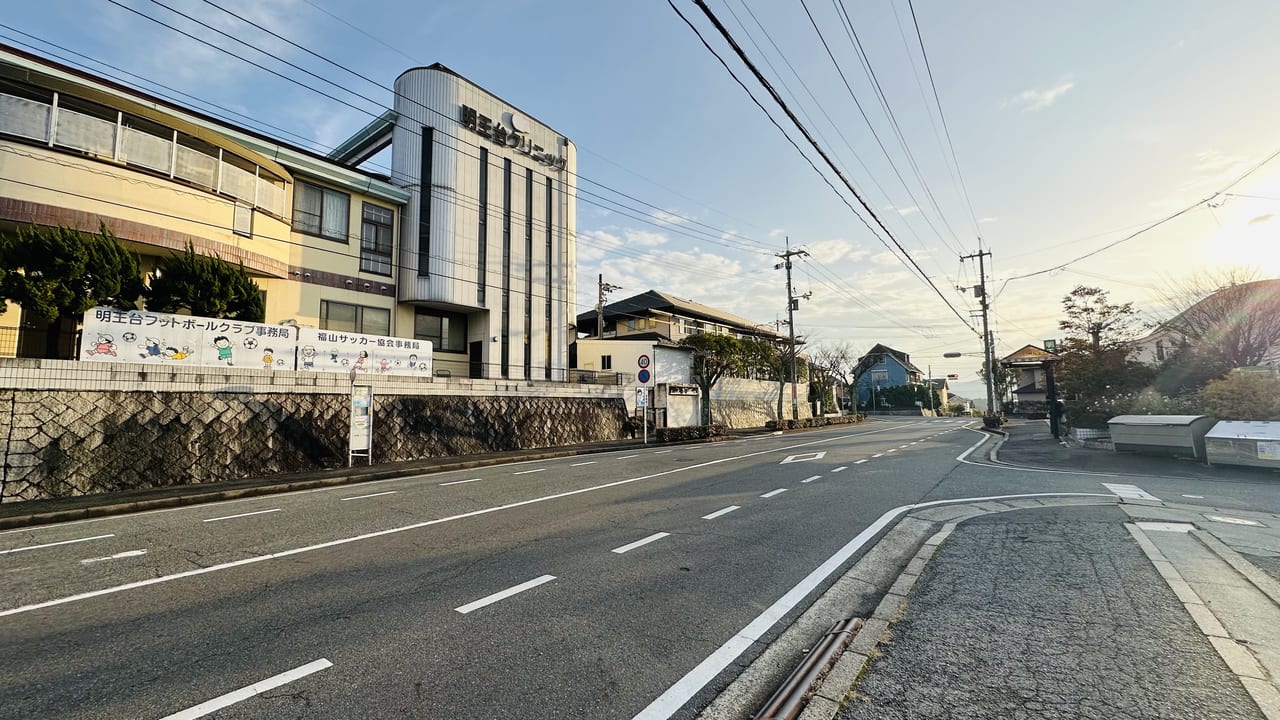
980, 290
603, 289
793, 303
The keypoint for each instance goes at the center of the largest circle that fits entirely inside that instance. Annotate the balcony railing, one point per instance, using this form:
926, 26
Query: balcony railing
56, 126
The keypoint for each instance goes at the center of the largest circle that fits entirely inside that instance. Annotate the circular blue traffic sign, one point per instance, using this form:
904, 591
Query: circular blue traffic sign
643, 376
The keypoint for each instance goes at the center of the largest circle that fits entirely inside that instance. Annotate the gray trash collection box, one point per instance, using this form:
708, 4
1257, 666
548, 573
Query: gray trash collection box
1244, 442
1164, 434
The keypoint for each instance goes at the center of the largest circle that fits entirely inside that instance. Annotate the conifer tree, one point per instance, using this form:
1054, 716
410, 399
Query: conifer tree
204, 285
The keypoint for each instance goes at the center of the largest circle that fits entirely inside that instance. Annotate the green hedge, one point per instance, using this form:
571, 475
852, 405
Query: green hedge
680, 434
814, 422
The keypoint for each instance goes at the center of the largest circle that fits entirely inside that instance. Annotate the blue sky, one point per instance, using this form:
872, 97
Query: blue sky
1073, 124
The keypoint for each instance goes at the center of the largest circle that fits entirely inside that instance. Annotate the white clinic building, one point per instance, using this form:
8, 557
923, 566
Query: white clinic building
486, 251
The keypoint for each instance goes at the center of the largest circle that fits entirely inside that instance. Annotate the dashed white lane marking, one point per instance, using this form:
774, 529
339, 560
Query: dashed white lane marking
117, 556
1195, 497
1132, 492
627, 457
878, 455
810, 479
891, 450
914, 443
859, 462
840, 469
361, 497
721, 511
589, 462
526, 472
504, 594
638, 543
904, 447
771, 493
459, 482
52, 544
245, 693
662, 452
231, 517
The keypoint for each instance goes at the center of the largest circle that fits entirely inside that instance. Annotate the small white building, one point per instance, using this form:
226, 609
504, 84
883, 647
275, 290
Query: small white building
674, 399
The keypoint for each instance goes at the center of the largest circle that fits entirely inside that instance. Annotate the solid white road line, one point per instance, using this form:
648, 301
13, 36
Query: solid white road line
693, 681
526, 472
459, 482
661, 452
361, 497
771, 493
721, 511
589, 462
504, 594
245, 693
256, 512
413, 526
52, 544
859, 462
117, 556
1131, 492
626, 457
810, 479
638, 543
840, 469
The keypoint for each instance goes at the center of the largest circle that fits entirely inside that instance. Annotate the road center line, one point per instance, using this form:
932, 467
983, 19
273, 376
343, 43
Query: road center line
771, 493
526, 472
361, 497
52, 544
256, 512
674, 698
414, 526
638, 543
810, 479
859, 462
627, 457
459, 482
840, 469
721, 511
247, 692
589, 462
661, 452
504, 594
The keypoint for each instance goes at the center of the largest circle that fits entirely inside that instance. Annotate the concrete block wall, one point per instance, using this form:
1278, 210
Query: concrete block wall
69, 428
739, 403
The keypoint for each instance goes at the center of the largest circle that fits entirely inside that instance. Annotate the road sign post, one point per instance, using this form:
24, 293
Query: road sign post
642, 393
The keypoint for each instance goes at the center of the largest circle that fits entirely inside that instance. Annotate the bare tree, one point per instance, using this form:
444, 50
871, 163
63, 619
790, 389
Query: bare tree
832, 366
1227, 318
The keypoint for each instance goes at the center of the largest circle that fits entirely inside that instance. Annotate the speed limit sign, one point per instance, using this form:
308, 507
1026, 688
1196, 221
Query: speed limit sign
643, 361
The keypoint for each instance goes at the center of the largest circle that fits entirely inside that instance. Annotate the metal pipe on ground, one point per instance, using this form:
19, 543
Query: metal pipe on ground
787, 702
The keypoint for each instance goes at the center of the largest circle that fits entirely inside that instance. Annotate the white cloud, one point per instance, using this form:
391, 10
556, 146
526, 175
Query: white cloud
835, 250
662, 217
987, 220
907, 210
885, 258
1039, 99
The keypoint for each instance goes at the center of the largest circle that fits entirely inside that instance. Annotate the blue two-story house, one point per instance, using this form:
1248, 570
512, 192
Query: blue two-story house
882, 368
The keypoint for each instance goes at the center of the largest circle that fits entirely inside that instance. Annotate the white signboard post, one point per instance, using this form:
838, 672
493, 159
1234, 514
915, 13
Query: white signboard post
361, 442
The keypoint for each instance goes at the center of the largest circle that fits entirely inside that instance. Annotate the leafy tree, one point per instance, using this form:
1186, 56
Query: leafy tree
1094, 323
1243, 396
714, 356
58, 273
1003, 383
204, 285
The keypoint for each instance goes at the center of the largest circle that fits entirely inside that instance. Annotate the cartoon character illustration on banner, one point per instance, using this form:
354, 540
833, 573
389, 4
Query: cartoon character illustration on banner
105, 345
308, 357
222, 344
151, 349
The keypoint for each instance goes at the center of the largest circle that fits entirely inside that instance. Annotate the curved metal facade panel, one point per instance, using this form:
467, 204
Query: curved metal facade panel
490, 224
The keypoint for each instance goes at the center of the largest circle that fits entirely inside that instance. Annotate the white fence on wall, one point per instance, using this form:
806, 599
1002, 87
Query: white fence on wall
115, 140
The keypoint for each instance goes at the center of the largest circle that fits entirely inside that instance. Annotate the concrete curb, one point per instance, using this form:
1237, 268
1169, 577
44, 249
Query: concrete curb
1266, 584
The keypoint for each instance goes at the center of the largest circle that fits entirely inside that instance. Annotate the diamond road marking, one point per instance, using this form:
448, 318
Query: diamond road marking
803, 457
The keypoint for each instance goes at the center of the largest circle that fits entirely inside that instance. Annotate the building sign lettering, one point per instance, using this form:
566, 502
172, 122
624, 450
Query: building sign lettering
508, 134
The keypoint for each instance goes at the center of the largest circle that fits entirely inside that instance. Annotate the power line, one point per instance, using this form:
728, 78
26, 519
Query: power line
777, 99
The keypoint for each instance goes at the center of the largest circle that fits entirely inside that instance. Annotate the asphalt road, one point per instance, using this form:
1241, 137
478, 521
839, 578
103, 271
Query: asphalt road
608, 586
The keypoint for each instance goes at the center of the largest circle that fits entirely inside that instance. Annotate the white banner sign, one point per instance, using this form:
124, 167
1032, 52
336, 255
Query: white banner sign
158, 339
334, 351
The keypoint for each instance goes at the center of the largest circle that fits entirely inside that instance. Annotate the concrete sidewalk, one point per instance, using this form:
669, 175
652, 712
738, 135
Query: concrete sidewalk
1030, 610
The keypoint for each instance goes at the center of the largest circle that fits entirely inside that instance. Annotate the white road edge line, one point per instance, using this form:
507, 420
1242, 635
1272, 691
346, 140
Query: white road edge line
361, 497
771, 493
842, 468
638, 543
230, 517
504, 594
413, 526
52, 544
589, 462
247, 692
526, 472
626, 457
459, 482
721, 511
660, 452
666, 704
810, 479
